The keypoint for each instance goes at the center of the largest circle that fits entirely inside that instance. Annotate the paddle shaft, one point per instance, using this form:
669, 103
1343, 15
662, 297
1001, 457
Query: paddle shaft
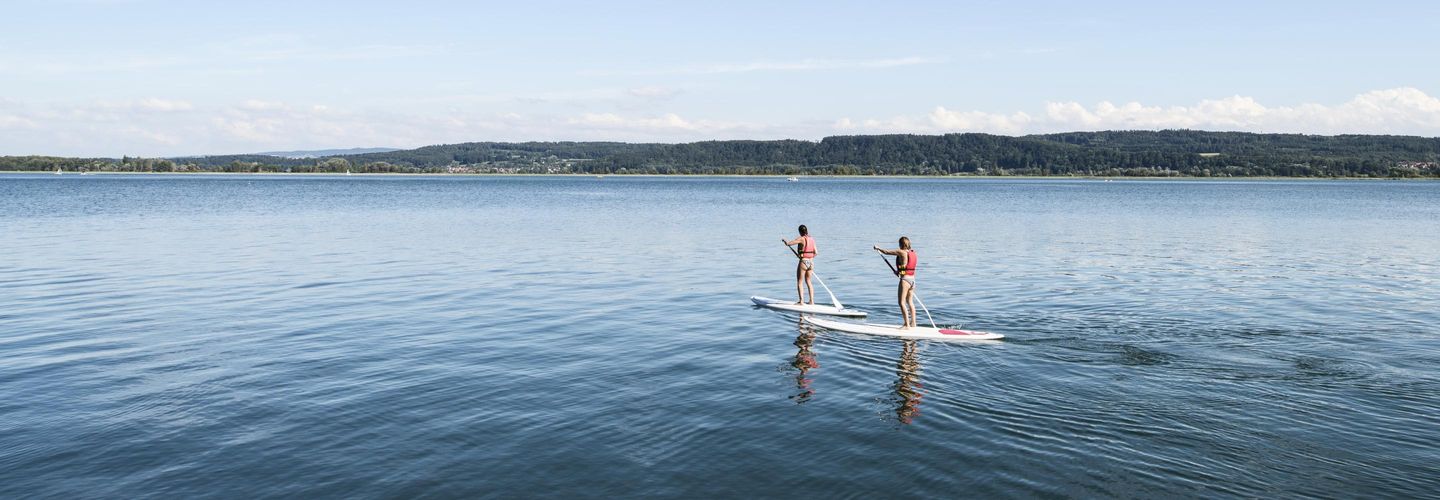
912, 291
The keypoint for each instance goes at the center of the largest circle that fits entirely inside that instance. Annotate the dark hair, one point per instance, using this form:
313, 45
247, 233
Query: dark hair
905, 242
804, 231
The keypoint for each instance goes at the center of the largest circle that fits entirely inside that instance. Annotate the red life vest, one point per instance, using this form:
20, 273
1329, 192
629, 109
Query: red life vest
911, 262
807, 247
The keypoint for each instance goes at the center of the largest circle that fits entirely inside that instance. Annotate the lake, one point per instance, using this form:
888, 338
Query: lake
391, 336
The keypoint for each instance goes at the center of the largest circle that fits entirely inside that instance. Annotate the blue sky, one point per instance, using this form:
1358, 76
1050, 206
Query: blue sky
160, 78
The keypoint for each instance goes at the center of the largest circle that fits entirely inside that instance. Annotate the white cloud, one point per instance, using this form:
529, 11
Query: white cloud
152, 104
260, 131
164, 105
1400, 111
12, 116
259, 105
1010, 124
1393, 111
231, 56
293, 47
152, 136
811, 64
940, 120
8, 121
659, 126
652, 92
158, 126
67, 64
800, 65
600, 96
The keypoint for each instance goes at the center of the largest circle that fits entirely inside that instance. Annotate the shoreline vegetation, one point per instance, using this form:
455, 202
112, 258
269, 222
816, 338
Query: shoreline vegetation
1111, 154
738, 176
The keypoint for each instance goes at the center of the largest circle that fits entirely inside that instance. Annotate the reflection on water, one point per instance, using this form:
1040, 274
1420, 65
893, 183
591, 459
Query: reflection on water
804, 361
905, 392
907, 385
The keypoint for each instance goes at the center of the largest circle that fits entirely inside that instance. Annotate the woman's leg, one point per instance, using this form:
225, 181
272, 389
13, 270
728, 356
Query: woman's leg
810, 288
909, 305
799, 277
900, 298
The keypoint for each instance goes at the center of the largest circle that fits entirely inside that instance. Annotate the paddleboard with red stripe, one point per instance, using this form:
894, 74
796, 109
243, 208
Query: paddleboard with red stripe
918, 332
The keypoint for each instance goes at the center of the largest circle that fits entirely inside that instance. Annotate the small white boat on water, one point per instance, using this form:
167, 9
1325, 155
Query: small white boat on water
793, 179
57, 171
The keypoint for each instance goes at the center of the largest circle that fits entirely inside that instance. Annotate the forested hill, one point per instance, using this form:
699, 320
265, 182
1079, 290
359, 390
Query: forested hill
1113, 153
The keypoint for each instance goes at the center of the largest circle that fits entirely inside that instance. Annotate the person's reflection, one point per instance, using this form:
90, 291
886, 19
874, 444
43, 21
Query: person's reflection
907, 387
803, 362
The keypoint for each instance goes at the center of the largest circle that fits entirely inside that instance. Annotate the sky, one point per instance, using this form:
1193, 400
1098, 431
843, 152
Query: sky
169, 78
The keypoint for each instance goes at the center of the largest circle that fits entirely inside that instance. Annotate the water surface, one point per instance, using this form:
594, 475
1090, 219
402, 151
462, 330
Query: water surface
258, 336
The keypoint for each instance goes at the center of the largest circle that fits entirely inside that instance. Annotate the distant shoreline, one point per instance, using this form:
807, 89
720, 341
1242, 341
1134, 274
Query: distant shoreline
776, 176
1105, 154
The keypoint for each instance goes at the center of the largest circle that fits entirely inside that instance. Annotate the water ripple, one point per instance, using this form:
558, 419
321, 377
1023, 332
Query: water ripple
262, 336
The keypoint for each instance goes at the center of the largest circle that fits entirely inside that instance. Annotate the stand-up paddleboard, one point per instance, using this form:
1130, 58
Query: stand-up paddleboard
917, 332
835, 309
786, 305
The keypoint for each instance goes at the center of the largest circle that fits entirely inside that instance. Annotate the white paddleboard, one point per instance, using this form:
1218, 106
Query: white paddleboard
917, 332
786, 305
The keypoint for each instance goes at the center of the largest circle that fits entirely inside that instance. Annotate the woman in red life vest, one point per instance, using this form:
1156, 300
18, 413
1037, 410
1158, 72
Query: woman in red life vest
905, 263
806, 267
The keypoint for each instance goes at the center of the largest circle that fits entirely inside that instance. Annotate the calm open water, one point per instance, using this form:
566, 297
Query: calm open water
253, 336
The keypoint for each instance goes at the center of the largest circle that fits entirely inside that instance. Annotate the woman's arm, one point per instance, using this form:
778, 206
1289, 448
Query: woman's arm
896, 252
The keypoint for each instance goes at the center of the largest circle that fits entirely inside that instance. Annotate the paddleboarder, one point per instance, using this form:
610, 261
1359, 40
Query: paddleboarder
806, 267
905, 263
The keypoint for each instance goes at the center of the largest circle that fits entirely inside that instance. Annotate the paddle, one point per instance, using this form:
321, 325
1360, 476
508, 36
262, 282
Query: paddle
833, 300
912, 291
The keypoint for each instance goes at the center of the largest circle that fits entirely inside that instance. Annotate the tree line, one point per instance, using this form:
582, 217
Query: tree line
1111, 153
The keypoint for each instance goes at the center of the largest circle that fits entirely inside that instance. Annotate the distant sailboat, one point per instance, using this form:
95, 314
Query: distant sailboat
347, 171
57, 170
